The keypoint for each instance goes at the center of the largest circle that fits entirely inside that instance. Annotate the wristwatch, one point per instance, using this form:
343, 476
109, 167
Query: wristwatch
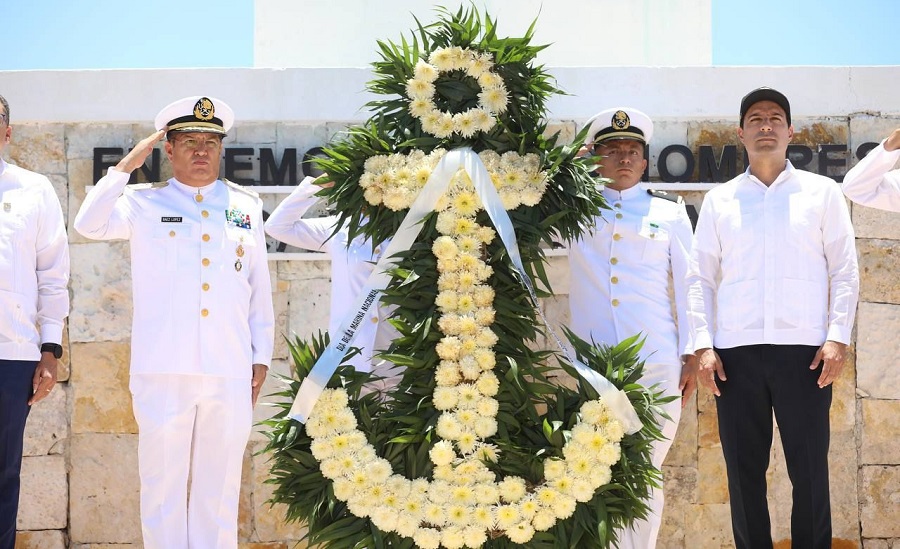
54, 348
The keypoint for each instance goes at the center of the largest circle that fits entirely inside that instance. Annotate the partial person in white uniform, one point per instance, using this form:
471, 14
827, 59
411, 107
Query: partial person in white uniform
873, 182
773, 287
34, 302
622, 271
203, 328
352, 261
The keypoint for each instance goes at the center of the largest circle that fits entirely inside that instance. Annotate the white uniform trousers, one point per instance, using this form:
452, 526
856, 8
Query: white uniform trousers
195, 426
643, 533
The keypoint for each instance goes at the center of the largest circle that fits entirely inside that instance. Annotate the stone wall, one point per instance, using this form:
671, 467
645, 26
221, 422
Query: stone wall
80, 485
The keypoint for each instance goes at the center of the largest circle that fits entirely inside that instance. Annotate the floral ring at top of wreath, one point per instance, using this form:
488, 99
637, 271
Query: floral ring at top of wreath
492, 100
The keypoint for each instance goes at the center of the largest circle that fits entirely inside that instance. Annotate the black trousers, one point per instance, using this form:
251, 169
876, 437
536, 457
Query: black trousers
15, 390
763, 378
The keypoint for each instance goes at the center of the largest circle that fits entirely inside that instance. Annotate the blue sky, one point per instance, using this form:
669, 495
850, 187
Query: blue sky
97, 34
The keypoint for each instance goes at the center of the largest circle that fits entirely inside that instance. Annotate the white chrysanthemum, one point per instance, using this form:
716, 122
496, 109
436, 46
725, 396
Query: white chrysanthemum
582, 490
554, 468
593, 412
425, 72
447, 265
462, 226
484, 296
434, 514
474, 536
376, 164
470, 263
507, 516
485, 316
547, 496
487, 407
466, 303
609, 455
563, 484
427, 538
420, 107
510, 198
486, 360
468, 396
397, 198
601, 476
419, 89
379, 470
543, 521
512, 489
529, 507
467, 204
444, 247
467, 325
469, 368
385, 519
452, 537
480, 64
580, 466
451, 324
614, 430
487, 452
521, 532
442, 453
447, 374
448, 348
483, 517
486, 338
531, 196
373, 196
322, 449
467, 344
365, 455
445, 126
466, 417
565, 506
343, 489
407, 526
466, 442
444, 472
330, 468
448, 281
462, 495
485, 427
447, 300
421, 176
444, 398
464, 124
442, 59
448, 427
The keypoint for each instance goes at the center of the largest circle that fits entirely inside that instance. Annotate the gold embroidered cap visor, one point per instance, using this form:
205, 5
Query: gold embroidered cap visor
196, 114
619, 123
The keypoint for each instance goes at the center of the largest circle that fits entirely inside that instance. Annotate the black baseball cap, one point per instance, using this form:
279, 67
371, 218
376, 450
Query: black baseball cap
765, 93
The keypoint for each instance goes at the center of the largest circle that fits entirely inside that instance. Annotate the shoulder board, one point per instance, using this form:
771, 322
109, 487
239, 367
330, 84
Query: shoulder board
676, 198
237, 187
149, 186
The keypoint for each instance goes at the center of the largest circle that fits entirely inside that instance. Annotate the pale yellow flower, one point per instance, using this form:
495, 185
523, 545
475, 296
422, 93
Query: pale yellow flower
464, 124
580, 466
485, 427
467, 345
449, 300
444, 398
487, 407
376, 164
465, 302
466, 204
407, 525
425, 72
484, 296
427, 538
466, 417
543, 521
421, 175
479, 64
614, 430
609, 455
447, 374
452, 537
442, 453
448, 265
448, 348
373, 196
512, 489
419, 89
444, 247
444, 472
486, 338
330, 468
474, 536
343, 489
486, 234
483, 517
521, 532
467, 396
469, 368
469, 263
486, 360
547, 497
397, 198
490, 80
462, 495
486, 494
565, 506
420, 107
446, 222
488, 384
513, 177
448, 281
448, 427
451, 324
529, 507
582, 490
444, 127
507, 516
485, 316
509, 198
458, 514
531, 197
466, 442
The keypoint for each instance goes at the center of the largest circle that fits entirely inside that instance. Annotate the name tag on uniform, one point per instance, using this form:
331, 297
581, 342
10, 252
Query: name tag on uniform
170, 219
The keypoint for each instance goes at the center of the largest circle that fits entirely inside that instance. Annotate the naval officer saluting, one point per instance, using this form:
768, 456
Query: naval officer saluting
203, 328
621, 271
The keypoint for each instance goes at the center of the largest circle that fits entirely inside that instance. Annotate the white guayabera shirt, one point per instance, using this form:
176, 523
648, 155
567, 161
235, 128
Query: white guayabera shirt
34, 264
773, 265
870, 182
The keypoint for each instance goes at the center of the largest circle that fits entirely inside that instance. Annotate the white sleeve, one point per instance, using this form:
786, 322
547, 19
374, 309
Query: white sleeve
679, 253
262, 315
285, 223
843, 271
702, 277
105, 213
51, 268
871, 183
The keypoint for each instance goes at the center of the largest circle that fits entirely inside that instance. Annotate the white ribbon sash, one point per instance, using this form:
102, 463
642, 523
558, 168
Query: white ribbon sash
311, 387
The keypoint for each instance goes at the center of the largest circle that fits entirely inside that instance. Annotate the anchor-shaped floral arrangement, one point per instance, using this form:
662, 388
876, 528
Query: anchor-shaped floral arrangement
479, 444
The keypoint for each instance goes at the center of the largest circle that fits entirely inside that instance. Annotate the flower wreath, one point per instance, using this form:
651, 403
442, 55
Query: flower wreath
477, 445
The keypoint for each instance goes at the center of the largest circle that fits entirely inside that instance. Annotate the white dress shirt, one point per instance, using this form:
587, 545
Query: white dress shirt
773, 265
201, 287
871, 183
351, 264
34, 264
621, 272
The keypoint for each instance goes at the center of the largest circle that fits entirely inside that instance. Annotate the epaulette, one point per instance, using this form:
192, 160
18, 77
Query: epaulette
149, 186
243, 189
676, 198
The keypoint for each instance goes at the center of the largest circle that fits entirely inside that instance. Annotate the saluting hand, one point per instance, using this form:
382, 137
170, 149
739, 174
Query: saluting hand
259, 376
832, 354
710, 365
688, 383
136, 157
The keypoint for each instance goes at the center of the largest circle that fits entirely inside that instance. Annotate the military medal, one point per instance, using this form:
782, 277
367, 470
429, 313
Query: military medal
238, 265
239, 251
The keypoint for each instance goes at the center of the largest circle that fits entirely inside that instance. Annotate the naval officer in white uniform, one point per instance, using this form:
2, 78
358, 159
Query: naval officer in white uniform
621, 273
203, 328
352, 261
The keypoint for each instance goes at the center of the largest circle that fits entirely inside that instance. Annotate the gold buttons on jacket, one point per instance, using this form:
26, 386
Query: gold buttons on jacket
614, 280
614, 260
204, 213
204, 312
617, 205
205, 238
617, 236
615, 302
205, 262
619, 216
374, 319
171, 233
198, 197
205, 286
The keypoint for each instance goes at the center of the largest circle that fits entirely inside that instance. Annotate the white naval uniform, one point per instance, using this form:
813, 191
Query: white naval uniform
351, 264
620, 280
202, 317
872, 182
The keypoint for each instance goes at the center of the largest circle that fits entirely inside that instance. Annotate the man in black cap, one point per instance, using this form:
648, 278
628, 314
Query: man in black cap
203, 328
773, 290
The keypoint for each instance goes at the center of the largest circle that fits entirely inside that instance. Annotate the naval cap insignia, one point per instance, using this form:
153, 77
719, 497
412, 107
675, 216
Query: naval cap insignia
204, 109
620, 120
